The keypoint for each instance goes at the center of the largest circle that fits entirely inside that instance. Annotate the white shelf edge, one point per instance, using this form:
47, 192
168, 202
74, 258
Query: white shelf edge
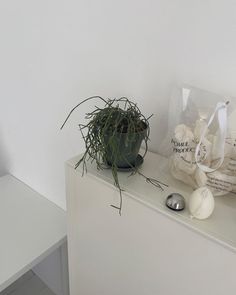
162, 209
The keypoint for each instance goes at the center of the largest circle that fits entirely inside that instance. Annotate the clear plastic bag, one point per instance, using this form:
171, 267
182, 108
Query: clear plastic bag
201, 148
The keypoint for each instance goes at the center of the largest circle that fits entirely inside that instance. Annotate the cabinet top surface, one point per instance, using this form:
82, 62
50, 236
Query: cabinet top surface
30, 227
220, 227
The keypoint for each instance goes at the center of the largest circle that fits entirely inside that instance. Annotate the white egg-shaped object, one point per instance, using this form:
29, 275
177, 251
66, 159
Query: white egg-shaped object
201, 203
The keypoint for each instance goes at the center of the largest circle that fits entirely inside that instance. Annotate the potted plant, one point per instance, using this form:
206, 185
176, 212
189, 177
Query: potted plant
113, 136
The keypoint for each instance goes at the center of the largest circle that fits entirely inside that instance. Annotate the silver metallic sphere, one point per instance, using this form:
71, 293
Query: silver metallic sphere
175, 202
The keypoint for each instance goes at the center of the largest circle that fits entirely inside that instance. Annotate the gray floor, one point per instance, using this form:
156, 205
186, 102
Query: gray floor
28, 284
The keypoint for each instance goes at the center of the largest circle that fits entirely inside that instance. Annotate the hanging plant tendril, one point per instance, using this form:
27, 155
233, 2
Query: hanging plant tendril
104, 131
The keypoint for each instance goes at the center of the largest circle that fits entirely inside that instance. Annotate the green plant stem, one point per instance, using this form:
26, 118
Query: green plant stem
121, 201
153, 181
89, 98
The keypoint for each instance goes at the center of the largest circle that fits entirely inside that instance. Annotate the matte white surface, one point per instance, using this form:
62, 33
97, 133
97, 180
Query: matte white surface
28, 284
31, 227
149, 249
219, 227
55, 53
53, 271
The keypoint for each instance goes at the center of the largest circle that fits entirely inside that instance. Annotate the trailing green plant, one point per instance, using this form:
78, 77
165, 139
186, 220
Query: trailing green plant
104, 131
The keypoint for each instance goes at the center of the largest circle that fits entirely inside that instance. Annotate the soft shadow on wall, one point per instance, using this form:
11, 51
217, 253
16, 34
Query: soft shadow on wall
4, 158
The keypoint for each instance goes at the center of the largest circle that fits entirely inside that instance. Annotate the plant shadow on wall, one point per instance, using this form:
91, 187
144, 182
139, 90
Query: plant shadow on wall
4, 158
113, 136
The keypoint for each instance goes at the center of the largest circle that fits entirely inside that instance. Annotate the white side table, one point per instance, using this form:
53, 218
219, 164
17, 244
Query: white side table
31, 227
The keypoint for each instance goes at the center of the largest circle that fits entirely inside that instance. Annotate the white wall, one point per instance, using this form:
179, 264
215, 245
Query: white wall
54, 53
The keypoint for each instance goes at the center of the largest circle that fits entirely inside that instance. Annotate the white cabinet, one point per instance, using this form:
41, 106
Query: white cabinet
149, 250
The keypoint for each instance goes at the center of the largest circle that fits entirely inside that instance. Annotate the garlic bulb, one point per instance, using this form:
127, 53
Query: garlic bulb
201, 203
180, 174
183, 133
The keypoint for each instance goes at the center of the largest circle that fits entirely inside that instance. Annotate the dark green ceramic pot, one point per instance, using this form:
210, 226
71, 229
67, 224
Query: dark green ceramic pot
125, 148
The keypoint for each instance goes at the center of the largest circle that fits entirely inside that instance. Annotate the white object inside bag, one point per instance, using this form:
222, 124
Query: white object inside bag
203, 148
